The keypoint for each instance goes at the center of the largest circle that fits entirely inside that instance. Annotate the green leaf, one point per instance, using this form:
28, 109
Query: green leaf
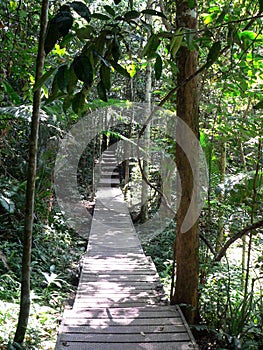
100, 16
63, 77
83, 69
116, 2
64, 21
78, 102
153, 13
260, 5
213, 53
105, 76
191, 4
67, 103
43, 79
72, 80
150, 48
81, 10
120, 69
102, 91
158, 67
247, 34
259, 105
110, 10
85, 32
176, 41
131, 15
115, 49
58, 27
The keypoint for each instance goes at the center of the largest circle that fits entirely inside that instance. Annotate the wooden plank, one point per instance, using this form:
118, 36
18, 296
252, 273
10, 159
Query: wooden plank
129, 338
96, 322
128, 313
125, 329
126, 346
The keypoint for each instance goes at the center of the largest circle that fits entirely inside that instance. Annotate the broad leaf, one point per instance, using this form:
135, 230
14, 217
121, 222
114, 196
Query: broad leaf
150, 48
63, 77
260, 5
158, 67
78, 102
105, 76
213, 53
81, 10
120, 69
100, 16
153, 13
191, 4
110, 10
176, 42
102, 91
43, 79
131, 15
259, 105
85, 32
58, 27
83, 69
116, 2
72, 80
67, 103
64, 21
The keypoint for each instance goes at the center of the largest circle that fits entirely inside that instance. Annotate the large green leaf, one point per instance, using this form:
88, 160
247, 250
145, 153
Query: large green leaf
116, 2
259, 105
83, 69
100, 16
153, 13
85, 32
151, 47
72, 81
120, 69
213, 53
131, 15
43, 79
110, 10
81, 10
102, 91
105, 76
63, 77
58, 27
158, 67
78, 102
260, 5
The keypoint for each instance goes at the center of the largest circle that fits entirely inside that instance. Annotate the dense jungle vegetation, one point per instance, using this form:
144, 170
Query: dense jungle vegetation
98, 54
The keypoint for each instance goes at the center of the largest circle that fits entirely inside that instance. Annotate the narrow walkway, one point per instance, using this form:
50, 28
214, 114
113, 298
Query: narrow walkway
120, 303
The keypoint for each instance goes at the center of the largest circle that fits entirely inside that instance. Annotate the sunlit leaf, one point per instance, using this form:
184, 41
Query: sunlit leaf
150, 48
120, 69
43, 79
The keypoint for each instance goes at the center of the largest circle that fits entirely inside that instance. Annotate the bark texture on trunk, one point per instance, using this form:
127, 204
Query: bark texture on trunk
187, 243
30, 193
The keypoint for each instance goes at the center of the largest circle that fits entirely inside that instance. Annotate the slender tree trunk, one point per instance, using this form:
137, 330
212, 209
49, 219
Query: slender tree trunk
221, 222
187, 243
148, 98
30, 194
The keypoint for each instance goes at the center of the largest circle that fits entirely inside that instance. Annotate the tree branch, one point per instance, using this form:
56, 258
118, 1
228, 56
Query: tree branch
238, 235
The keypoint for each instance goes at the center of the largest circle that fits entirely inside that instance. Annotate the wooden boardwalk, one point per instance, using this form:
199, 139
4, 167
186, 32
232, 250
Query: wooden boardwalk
120, 303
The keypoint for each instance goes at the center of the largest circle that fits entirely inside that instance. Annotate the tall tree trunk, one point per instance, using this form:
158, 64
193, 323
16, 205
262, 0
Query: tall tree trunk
148, 98
31, 181
187, 243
